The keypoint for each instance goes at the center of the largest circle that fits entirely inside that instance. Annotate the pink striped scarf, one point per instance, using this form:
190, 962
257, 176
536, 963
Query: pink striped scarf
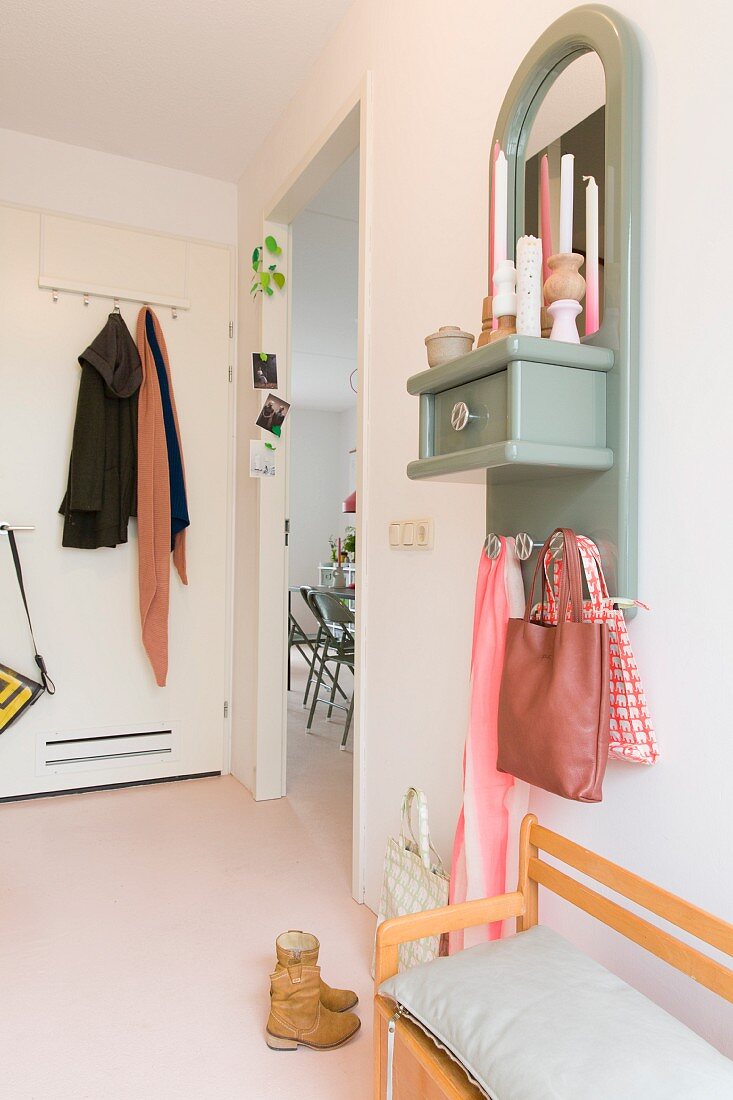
480, 847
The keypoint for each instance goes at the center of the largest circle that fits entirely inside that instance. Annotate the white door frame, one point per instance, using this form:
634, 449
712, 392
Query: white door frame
351, 128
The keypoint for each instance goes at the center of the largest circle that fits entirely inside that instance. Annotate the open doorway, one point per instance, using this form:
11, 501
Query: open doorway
324, 245
318, 331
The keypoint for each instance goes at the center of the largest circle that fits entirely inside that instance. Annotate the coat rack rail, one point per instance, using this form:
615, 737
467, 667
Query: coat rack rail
139, 297
525, 546
5, 527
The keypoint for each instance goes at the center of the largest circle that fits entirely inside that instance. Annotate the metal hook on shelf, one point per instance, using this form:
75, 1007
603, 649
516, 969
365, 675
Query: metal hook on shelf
86, 299
524, 545
116, 305
54, 295
174, 312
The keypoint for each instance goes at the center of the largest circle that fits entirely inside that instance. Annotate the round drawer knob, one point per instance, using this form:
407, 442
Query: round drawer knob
460, 416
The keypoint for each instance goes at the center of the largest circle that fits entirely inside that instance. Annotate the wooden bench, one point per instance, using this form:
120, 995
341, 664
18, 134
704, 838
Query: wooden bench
421, 1069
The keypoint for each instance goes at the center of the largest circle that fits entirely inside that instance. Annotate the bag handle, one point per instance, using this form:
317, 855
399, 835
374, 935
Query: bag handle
571, 589
422, 841
48, 683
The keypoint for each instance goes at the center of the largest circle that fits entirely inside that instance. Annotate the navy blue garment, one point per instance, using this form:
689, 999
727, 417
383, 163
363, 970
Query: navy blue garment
179, 504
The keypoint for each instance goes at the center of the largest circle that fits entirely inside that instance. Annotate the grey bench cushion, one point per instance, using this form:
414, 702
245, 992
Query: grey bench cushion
533, 1018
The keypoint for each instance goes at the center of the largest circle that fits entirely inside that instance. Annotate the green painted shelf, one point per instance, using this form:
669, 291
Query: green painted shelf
519, 408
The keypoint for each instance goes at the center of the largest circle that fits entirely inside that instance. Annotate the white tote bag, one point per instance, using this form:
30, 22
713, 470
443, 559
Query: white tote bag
414, 879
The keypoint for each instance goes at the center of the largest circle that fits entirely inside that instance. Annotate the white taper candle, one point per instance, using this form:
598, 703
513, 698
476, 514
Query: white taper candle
567, 181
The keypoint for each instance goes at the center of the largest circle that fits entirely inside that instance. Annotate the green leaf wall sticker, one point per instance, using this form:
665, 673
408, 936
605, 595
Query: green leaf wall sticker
262, 280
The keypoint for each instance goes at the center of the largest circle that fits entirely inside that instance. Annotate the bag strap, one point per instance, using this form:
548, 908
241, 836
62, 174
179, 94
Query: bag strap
595, 578
571, 589
422, 841
48, 683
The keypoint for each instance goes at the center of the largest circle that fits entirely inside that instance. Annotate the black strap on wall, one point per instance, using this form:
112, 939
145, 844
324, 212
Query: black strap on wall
46, 679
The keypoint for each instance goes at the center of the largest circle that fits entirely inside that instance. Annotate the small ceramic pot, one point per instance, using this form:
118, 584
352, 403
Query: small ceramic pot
449, 342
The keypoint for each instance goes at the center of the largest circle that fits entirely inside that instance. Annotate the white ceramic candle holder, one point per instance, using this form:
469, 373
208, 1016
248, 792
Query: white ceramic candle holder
505, 300
529, 286
564, 313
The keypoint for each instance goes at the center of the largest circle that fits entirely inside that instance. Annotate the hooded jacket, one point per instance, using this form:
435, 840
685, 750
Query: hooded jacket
101, 492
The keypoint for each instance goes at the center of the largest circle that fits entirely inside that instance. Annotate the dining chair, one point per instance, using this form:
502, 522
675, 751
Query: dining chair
337, 623
317, 641
305, 643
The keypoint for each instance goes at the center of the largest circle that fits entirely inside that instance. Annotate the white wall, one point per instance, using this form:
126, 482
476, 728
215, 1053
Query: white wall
439, 76
324, 288
55, 176
318, 467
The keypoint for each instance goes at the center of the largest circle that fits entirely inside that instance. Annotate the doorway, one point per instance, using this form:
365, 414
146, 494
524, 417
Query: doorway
324, 244
347, 137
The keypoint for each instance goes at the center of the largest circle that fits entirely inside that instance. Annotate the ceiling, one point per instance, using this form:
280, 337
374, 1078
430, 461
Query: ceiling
191, 84
324, 294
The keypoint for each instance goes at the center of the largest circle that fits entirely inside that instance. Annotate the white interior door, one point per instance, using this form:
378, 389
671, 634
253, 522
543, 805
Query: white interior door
109, 722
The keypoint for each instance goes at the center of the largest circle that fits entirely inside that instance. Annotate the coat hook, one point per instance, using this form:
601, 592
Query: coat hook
86, 299
54, 295
174, 312
116, 306
524, 545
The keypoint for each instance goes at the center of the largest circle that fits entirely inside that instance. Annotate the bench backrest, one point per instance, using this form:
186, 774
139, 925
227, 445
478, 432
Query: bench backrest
535, 872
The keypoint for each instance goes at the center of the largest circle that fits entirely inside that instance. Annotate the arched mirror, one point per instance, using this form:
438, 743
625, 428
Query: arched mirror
578, 91
571, 119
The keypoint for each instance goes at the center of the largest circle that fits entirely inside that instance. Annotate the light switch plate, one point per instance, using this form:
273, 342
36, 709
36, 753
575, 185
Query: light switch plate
411, 534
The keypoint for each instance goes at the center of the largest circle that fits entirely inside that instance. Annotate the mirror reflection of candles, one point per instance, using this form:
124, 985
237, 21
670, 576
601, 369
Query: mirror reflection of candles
571, 120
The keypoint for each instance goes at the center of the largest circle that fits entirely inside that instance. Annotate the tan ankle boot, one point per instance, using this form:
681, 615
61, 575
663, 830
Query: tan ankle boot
303, 947
297, 1017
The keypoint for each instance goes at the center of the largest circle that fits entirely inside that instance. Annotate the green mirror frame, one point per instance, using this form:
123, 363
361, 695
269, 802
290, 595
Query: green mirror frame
603, 506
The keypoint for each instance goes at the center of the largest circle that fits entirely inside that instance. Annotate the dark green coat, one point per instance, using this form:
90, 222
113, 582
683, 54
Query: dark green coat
101, 494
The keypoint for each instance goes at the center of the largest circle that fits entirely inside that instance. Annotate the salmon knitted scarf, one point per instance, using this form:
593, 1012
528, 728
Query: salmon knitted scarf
154, 504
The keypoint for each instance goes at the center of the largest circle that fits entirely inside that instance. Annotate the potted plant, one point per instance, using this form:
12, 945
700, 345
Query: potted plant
349, 543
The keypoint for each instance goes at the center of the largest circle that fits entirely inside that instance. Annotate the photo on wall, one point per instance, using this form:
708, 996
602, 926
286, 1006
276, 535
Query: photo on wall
264, 371
261, 459
273, 414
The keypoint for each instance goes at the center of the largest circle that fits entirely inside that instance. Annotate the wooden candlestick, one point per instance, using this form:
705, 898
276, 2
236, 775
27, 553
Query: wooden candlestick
565, 280
487, 318
564, 291
507, 327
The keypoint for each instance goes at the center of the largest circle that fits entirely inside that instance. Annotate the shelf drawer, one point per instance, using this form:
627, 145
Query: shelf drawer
487, 404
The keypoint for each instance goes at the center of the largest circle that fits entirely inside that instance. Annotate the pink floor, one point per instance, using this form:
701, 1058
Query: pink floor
136, 933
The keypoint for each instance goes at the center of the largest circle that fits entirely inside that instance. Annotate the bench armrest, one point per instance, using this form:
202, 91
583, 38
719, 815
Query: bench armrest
433, 922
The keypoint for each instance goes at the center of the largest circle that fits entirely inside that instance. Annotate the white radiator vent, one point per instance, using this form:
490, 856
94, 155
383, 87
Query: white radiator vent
110, 748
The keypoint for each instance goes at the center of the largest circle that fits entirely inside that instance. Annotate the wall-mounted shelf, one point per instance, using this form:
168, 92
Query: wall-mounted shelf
519, 408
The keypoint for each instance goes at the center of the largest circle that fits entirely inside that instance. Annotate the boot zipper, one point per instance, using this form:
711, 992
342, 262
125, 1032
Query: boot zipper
391, 1026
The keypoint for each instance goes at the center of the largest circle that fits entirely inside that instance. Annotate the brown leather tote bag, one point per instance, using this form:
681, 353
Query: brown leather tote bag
554, 699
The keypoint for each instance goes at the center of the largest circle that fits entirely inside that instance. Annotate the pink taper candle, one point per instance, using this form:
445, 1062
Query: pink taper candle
546, 223
592, 311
